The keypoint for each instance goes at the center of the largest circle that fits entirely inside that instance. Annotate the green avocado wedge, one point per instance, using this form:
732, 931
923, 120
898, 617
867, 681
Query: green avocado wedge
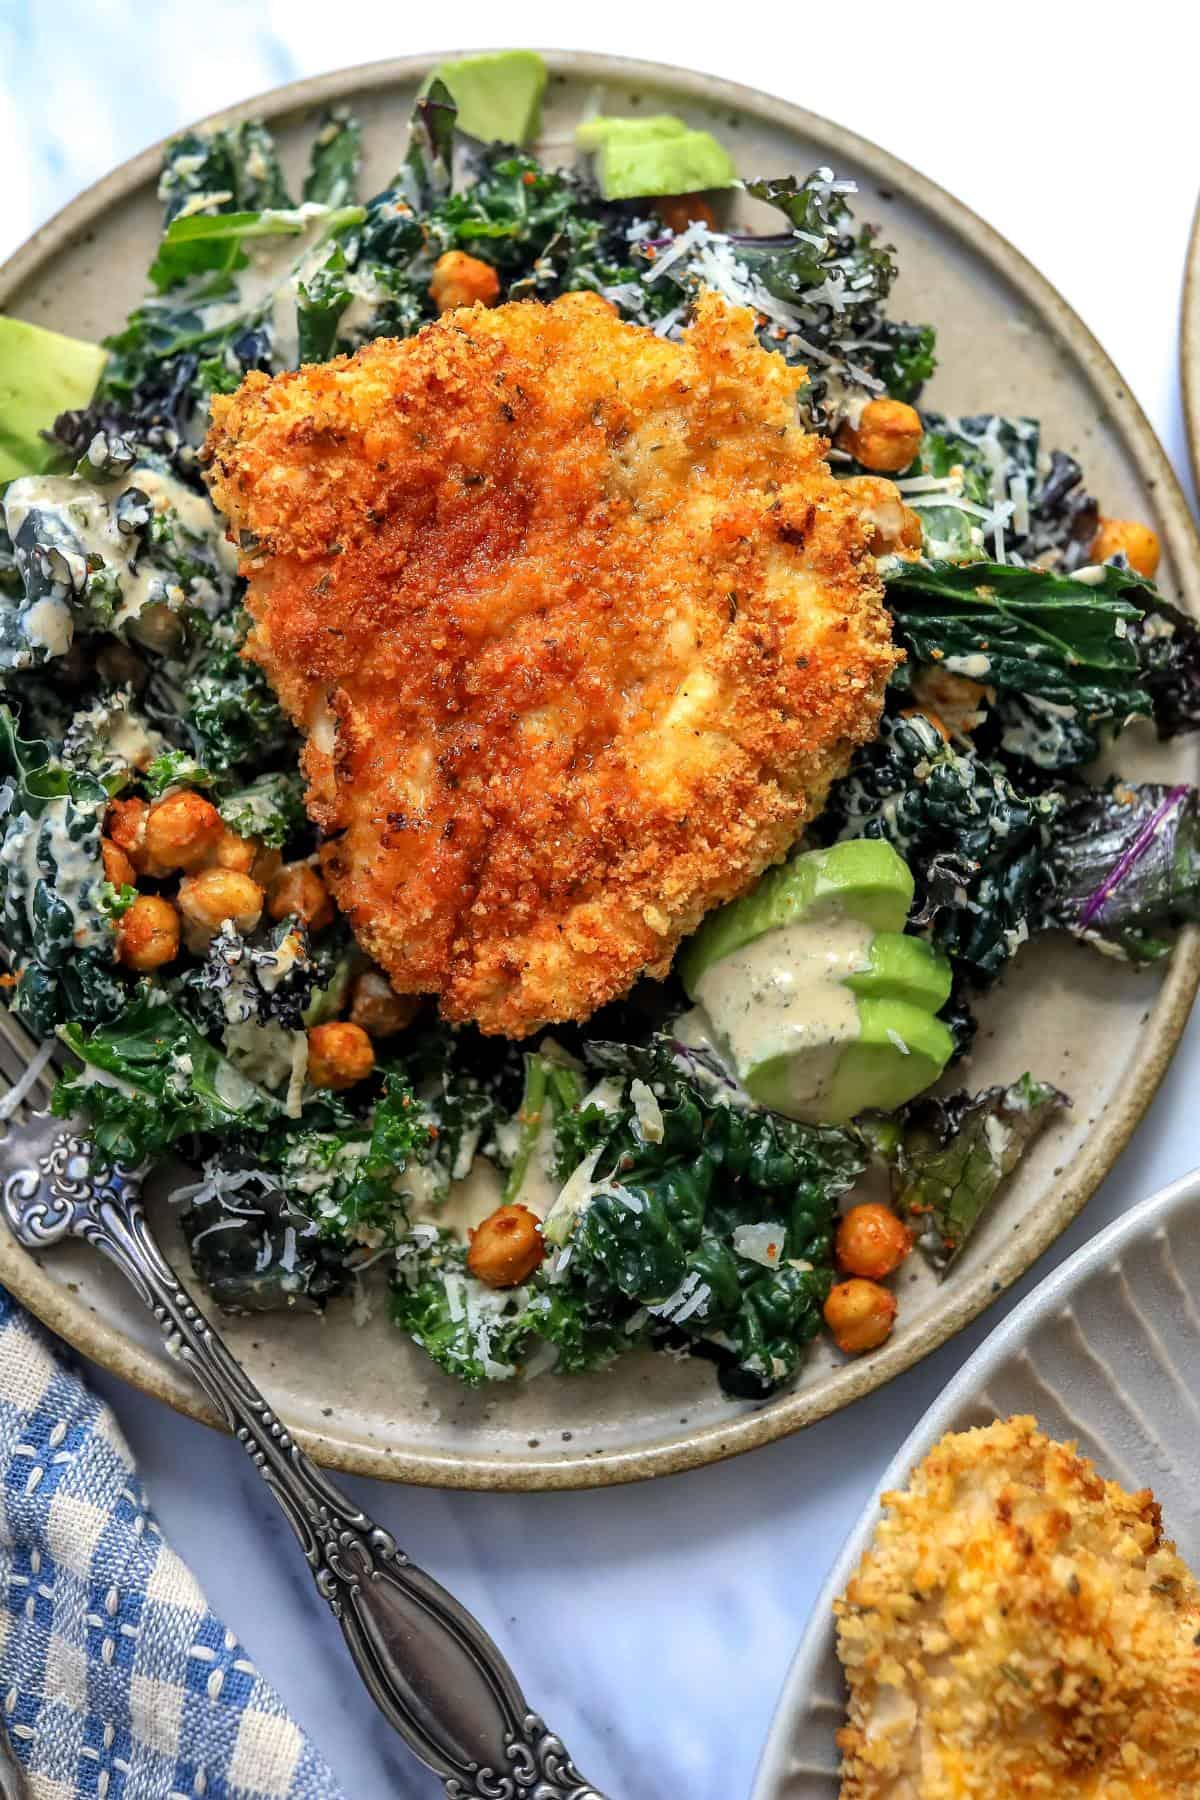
862, 879
903, 968
637, 159
498, 95
900, 1050
42, 374
818, 1022
592, 134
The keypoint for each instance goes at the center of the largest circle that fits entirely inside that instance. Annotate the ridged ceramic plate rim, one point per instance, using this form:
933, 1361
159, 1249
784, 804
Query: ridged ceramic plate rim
66, 1312
812, 1694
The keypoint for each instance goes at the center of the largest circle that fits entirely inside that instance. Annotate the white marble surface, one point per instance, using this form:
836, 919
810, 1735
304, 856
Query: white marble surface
654, 1624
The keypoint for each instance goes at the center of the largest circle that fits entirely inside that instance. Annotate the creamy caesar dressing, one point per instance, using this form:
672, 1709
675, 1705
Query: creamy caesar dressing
61, 848
784, 996
467, 1204
278, 265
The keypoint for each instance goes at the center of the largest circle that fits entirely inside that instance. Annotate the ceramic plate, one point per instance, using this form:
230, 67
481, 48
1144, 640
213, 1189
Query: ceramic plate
1104, 1351
1189, 346
363, 1399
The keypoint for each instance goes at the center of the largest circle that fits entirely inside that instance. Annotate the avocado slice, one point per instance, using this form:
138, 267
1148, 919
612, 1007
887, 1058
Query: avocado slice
593, 134
634, 167
42, 374
899, 1051
862, 878
498, 96
903, 968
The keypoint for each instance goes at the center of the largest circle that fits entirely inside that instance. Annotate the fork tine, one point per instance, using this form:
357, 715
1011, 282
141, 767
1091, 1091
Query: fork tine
17, 1049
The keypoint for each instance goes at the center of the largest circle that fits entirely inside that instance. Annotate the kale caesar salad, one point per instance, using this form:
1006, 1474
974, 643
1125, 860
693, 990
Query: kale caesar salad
523, 740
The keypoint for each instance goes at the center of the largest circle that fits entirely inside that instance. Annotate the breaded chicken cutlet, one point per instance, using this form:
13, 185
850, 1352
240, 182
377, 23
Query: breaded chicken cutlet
578, 627
1019, 1629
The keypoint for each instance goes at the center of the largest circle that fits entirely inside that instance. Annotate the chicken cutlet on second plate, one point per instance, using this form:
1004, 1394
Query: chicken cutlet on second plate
577, 624
1020, 1628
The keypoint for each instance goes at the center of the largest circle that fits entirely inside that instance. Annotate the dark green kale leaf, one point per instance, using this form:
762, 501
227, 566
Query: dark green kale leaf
252, 1248
335, 160
153, 1079
55, 923
955, 1152
976, 845
228, 709
1125, 866
269, 808
266, 978
232, 169
713, 1222
1027, 631
1067, 657
474, 1332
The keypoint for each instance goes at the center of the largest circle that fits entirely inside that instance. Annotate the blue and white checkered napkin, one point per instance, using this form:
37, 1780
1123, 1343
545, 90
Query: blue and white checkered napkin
115, 1678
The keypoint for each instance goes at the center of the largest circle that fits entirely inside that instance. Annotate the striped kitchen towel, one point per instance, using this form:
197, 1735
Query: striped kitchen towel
116, 1680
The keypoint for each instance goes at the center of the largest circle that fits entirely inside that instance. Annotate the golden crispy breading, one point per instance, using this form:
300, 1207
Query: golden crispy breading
577, 624
1019, 1630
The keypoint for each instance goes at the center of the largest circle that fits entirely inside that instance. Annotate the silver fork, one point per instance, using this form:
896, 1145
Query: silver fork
432, 1670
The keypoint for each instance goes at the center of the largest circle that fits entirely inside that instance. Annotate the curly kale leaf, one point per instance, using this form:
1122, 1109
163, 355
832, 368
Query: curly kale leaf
474, 1332
269, 808
1168, 649
358, 1178
335, 160
151, 1079
955, 1152
252, 1248
230, 714
714, 1223
55, 926
976, 845
1125, 866
265, 979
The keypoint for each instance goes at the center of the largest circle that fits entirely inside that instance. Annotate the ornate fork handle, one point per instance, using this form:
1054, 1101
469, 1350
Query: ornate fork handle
429, 1666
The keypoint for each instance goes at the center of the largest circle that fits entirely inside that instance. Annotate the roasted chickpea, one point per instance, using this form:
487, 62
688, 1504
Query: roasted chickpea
507, 1247
117, 867
378, 1008
148, 933
298, 889
461, 280
958, 703
207, 899
339, 1054
1137, 543
886, 438
182, 832
125, 824
678, 211
860, 1314
892, 527
233, 852
872, 1241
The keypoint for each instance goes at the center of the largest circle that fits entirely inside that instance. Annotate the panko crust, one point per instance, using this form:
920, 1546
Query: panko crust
577, 624
1019, 1627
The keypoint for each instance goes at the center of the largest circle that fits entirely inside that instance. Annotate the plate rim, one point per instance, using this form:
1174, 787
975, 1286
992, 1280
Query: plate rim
1189, 345
70, 1316
1141, 1220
